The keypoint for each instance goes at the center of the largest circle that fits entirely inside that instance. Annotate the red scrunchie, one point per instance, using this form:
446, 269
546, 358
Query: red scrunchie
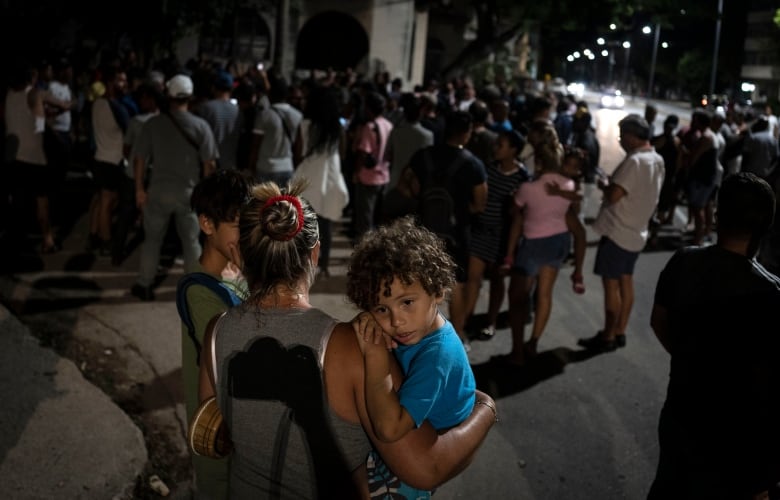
298, 207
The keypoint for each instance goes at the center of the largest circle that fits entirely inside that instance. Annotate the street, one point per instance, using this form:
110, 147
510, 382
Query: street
572, 425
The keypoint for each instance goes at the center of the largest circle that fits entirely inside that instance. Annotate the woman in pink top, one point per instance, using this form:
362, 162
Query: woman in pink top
539, 241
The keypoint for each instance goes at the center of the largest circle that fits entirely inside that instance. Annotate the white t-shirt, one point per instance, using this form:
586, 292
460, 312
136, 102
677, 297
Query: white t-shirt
641, 175
61, 91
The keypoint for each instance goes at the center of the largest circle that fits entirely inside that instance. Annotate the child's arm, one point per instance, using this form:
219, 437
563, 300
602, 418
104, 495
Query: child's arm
554, 190
389, 419
515, 232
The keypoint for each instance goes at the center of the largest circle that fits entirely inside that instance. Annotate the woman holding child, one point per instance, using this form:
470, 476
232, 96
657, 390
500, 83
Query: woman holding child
540, 240
290, 378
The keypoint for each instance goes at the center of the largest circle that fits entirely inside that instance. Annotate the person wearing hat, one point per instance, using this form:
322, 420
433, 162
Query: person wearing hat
182, 148
223, 117
630, 198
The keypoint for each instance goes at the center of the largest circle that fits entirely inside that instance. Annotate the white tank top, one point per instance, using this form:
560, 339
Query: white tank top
20, 122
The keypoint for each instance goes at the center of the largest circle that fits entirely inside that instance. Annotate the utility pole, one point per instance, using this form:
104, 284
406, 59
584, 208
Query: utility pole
280, 43
717, 46
652, 62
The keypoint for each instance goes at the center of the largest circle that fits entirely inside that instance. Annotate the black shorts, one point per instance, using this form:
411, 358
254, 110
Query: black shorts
108, 176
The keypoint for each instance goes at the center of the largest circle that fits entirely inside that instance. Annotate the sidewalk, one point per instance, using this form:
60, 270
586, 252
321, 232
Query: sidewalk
64, 438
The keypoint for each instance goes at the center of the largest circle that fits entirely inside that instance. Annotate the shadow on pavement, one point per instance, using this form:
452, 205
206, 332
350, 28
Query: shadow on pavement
500, 378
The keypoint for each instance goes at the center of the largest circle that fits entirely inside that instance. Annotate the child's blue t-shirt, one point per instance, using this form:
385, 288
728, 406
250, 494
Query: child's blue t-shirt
438, 382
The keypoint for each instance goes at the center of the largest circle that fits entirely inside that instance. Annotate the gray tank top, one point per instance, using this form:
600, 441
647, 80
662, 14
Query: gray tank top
287, 442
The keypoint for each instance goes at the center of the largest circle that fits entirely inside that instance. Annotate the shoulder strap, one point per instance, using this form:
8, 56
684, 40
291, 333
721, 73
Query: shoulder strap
214, 332
284, 124
183, 132
210, 282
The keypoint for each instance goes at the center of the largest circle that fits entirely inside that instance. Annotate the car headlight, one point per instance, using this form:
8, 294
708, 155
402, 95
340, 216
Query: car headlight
619, 101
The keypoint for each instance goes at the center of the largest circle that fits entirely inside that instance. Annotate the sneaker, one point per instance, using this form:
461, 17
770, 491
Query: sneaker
144, 293
620, 340
597, 343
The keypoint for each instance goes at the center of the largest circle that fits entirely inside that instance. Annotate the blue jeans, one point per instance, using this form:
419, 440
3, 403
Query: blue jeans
157, 212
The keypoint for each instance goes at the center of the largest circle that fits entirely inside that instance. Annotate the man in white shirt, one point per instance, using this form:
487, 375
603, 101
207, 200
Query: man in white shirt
630, 197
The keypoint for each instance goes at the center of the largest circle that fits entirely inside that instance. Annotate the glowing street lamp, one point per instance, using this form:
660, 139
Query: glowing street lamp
652, 62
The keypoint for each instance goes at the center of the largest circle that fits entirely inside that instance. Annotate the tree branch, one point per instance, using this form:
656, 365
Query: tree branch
480, 48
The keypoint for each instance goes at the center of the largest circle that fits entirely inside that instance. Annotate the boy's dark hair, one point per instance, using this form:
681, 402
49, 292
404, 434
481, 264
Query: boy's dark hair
515, 139
277, 91
479, 112
401, 250
746, 205
375, 103
220, 196
411, 107
456, 123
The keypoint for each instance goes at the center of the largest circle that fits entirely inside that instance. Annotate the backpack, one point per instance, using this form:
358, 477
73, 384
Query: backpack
227, 296
436, 208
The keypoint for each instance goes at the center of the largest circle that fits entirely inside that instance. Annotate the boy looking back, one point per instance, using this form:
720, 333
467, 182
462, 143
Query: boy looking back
400, 274
217, 201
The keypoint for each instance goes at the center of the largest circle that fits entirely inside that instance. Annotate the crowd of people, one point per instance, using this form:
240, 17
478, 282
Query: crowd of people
489, 182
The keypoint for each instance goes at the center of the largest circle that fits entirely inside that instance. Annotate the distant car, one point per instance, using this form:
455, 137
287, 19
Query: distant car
612, 99
576, 89
557, 85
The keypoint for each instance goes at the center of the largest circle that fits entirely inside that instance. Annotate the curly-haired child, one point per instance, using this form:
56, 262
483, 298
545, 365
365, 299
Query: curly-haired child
399, 274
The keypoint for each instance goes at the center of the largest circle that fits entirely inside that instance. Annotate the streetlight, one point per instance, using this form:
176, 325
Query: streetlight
655, 54
627, 46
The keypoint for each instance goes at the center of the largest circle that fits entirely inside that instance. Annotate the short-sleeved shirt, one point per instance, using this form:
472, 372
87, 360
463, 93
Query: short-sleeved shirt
275, 154
109, 137
62, 120
641, 175
405, 139
438, 382
371, 138
224, 119
470, 174
723, 384
133, 132
544, 214
177, 164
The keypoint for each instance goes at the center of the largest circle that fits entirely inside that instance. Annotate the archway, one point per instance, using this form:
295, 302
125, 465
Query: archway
331, 39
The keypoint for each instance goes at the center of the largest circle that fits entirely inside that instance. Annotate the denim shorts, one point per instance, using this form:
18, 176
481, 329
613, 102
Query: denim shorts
533, 253
612, 262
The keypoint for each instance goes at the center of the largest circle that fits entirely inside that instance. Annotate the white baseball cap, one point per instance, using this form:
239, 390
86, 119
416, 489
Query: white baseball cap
180, 86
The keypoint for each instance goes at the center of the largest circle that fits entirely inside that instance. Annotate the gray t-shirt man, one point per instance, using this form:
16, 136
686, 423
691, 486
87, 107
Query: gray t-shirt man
278, 124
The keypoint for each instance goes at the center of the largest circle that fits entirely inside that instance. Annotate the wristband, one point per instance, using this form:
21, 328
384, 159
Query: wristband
493, 408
